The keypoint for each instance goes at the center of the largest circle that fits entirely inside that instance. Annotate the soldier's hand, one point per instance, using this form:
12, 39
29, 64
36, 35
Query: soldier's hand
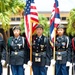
25, 66
47, 66
53, 62
29, 63
3, 62
68, 63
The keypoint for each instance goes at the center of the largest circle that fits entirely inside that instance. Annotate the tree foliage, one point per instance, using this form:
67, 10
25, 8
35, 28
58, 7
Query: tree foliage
7, 8
22, 26
71, 23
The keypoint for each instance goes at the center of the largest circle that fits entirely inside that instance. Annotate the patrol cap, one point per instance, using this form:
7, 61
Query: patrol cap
16, 27
39, 26
61, 26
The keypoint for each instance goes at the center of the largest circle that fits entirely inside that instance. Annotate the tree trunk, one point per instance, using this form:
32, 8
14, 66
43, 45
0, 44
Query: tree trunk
6, 35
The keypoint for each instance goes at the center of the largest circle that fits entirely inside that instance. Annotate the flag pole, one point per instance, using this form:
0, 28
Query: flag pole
54, 42
54, 50
54, 47
31, 47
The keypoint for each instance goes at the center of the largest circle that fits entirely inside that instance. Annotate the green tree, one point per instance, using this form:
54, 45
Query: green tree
42, 20
8, 8
71, 23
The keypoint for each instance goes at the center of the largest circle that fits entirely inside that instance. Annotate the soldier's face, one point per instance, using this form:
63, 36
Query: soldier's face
16, 32
39, 31
60, 31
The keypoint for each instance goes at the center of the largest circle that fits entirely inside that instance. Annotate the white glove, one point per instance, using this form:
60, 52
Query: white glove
3, 62
68, 63
53, 62
29, 63
46, 66
25, 66
7, 65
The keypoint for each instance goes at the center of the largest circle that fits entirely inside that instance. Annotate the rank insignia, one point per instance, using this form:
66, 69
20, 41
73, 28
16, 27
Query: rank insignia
34, 42
42, 46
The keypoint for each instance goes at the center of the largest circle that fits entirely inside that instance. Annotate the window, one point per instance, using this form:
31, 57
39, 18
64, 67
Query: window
63, 18
13, 19
17, 18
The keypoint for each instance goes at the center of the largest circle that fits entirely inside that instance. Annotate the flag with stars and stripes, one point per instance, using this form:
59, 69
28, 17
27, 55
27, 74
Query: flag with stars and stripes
30, 18
54, 20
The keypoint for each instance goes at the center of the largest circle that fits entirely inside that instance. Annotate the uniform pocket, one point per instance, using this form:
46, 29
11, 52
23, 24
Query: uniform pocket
21, 54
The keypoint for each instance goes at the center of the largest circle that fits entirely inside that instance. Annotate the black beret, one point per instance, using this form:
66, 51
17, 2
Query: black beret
39, 26
16, 27
61, 26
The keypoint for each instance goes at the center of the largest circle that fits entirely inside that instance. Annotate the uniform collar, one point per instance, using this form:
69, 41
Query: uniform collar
17, 37
40, 37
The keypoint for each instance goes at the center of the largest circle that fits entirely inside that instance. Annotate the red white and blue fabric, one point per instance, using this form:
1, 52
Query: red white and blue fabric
54, 20
30, 18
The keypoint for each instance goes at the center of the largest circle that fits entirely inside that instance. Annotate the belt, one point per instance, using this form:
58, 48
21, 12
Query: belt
61, 53
60, 50
20, 53
18, 50
39, 54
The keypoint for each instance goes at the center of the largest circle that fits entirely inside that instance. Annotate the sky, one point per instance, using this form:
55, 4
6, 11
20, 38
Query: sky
47, 5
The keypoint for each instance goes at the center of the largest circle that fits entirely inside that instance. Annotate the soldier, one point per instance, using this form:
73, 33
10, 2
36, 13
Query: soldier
41, 52
73, 57
2, 53
63, 53
18, 49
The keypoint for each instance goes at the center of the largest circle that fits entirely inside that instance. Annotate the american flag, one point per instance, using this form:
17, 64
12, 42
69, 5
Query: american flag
54, 20
30, 18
